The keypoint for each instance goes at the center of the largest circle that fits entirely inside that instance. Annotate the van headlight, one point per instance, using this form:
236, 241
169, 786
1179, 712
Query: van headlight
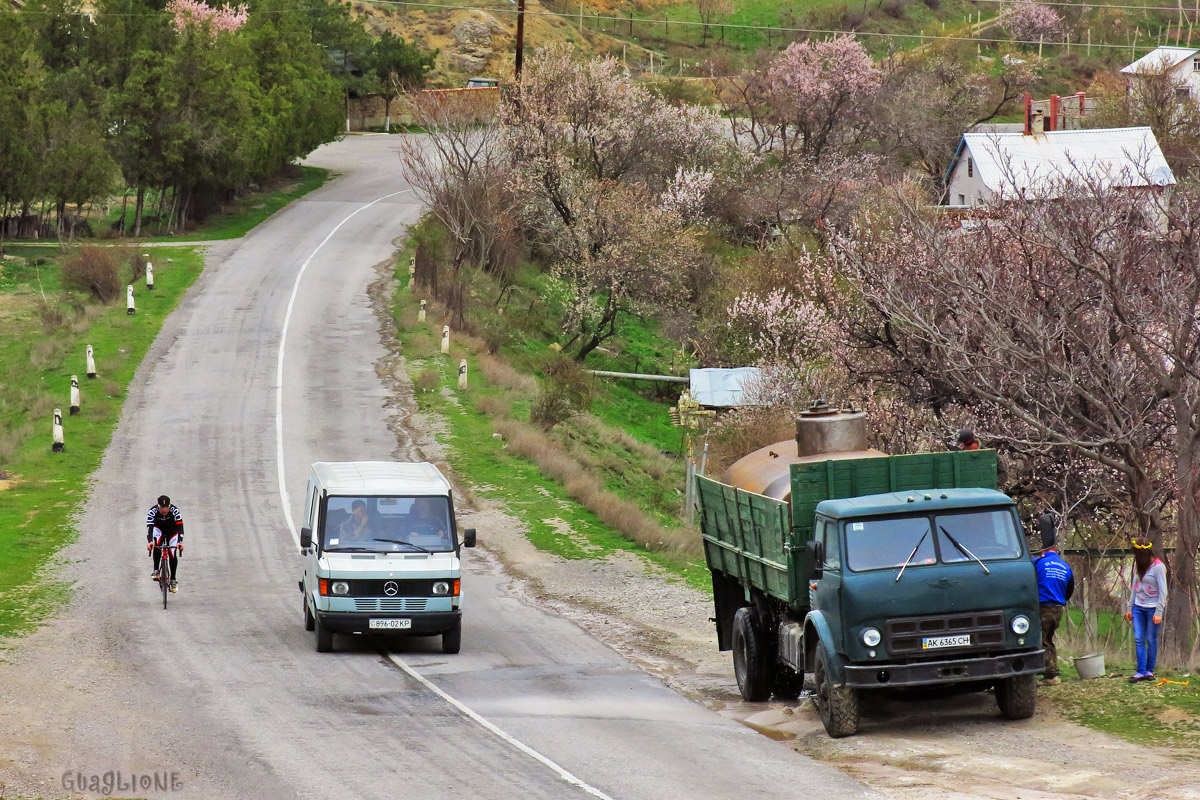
340, 587
871, 637
441, 587
1020, 624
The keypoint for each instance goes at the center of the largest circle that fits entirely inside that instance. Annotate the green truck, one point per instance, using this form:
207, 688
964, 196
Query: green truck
869, 572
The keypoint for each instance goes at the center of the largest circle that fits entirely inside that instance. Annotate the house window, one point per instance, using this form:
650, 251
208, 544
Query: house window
1183, 92
962, 199
970, 168
1196, 65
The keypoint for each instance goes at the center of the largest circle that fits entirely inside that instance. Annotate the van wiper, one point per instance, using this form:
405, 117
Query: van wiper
350, 549
409, 544
908, 560
964, 550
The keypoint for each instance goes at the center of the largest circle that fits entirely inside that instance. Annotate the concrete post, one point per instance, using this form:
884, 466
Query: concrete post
462, 375
130, 308
91, 363
149, 277
445, 340
74, 395
56, 432
421, 313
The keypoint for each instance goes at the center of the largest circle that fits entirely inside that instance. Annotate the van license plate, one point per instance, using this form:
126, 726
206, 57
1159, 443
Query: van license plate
390, 624
933, 642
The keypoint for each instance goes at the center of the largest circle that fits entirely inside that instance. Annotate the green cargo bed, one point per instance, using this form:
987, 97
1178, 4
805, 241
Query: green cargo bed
759, 542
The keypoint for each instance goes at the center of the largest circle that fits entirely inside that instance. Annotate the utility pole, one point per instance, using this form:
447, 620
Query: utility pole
520, 59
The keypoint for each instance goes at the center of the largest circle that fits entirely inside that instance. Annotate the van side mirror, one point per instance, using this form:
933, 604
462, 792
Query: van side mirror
814, 553
469, 537
305, 539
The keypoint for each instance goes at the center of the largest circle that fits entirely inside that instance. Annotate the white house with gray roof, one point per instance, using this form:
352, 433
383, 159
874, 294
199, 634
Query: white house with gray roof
1182, 64
988, 167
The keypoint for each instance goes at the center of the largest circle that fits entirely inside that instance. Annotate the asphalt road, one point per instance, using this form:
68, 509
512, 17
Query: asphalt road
225, 687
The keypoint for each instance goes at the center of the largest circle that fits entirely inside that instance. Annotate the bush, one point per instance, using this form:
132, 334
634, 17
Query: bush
933, 4
894, 8
428, 380
95, 270
566, 392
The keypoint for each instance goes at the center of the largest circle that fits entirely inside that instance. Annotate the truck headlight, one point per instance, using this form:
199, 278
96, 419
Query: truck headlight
871, 637
1020, 624
340, 587
441, 587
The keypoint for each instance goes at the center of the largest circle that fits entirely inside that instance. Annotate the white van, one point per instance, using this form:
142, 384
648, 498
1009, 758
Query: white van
381, 552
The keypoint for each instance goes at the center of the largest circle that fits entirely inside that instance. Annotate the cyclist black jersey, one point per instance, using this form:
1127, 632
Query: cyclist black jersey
170, 523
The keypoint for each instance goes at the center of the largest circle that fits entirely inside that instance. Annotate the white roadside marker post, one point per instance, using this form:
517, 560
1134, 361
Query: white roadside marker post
421, 313
56, 431
91, 363
149, 277
74, 395
462, 375
445, 340
130, 308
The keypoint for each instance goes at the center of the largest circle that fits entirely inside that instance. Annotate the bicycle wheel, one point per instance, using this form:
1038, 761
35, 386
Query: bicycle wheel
164, 577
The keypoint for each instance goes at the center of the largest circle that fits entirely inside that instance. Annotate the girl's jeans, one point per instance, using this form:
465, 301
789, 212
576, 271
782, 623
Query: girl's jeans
1145, 638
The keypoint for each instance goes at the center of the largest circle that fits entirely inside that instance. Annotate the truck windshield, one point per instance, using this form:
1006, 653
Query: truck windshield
882, 543
987, 535
387, 524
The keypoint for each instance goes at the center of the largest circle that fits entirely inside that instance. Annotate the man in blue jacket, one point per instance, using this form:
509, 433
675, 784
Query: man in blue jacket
1056, 584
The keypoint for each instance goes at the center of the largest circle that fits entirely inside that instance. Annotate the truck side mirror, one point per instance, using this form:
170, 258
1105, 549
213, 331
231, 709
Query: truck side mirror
469, 537
305, 540
1047, 528
814, 553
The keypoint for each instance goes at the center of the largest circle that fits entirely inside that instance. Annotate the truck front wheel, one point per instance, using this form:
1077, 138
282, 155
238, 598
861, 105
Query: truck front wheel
837, 705
751, 661
1017, 696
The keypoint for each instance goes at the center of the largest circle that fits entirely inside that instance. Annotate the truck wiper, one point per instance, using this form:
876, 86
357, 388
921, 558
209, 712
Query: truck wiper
409, 544
964, 550
908, 560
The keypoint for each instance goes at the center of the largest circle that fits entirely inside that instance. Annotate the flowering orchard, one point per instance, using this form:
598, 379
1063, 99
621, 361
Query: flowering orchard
1030, 21
192, 13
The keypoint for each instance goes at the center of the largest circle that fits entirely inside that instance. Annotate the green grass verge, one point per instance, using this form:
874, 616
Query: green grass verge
39, 353
554, 522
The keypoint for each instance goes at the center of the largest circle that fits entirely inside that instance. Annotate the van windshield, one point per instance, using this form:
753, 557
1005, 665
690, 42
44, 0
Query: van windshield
388, 524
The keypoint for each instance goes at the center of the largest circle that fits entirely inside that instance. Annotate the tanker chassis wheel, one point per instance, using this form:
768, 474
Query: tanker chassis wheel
752, 662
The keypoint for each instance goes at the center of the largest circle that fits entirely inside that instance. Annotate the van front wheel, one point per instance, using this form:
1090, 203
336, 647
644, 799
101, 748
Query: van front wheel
452, 639
310, 621
324, 637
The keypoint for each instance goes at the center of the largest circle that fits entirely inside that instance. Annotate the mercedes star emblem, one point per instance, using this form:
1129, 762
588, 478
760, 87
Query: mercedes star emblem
391, 589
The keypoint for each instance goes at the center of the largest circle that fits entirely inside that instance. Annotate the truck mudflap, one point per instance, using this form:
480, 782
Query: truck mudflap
959, 670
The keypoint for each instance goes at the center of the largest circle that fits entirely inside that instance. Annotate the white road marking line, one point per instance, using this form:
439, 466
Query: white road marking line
283, 493
524, 748
287, 511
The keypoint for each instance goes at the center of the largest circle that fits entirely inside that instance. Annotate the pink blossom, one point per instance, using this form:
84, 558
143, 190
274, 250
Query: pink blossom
225, 19
688, 193
1030, 21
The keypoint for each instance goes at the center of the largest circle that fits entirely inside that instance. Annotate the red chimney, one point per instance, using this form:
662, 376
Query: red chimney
1028, 119
1053, 126
1082, 103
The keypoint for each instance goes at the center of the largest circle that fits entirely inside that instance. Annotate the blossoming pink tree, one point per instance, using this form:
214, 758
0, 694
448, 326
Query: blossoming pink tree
1030, 21
189, 13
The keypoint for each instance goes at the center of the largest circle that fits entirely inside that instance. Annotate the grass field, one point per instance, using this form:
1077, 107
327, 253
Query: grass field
42, 347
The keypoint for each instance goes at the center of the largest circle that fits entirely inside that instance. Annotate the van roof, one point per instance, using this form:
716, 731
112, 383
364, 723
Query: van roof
898, 502
380, 478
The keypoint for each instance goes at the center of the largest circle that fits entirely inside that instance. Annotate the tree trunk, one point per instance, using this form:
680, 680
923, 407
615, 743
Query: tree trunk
1181, 605
137, 214
124, 206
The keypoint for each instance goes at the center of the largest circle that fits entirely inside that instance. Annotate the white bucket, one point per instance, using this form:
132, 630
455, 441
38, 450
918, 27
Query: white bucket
1090, 666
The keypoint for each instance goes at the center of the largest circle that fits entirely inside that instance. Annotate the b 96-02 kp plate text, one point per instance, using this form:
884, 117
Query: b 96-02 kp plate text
934, 642
390, 624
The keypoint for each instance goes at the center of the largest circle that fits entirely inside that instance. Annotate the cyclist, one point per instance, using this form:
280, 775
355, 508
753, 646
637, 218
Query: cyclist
164, 527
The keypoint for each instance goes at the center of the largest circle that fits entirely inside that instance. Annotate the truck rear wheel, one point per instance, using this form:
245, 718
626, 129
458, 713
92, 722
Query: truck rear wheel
837, 705
1017, 696
751, 661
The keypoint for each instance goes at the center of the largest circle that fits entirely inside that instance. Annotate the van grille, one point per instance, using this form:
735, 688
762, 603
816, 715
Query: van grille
985, 628
389, 604
403, 587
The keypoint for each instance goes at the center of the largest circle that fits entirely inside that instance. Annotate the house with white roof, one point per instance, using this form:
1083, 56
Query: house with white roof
988, 167
1182, 64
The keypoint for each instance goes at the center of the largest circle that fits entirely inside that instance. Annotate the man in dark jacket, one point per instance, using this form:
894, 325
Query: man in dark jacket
1056, 584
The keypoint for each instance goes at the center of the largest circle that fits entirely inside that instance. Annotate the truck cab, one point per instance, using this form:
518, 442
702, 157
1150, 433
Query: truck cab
381, 552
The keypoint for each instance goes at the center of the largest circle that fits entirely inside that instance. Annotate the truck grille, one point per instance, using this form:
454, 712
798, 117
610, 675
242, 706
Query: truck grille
398, 604
986, 630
